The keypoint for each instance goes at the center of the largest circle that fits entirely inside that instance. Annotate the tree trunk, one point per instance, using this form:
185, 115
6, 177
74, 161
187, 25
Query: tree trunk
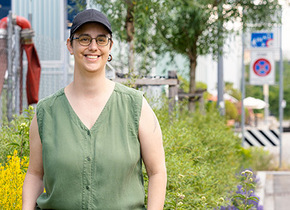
130, 34
193, 63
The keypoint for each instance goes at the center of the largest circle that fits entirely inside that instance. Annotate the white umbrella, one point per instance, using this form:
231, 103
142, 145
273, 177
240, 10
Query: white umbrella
254, 103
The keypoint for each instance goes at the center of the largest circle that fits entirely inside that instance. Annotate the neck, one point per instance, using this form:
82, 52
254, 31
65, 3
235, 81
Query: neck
90, 84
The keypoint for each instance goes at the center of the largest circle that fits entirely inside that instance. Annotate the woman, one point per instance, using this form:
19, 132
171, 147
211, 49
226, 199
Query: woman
88, 140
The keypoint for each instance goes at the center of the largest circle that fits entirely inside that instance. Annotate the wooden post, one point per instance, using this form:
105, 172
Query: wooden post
173, 91
201, 105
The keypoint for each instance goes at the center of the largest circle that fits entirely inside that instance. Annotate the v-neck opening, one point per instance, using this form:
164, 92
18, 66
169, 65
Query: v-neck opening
78, 120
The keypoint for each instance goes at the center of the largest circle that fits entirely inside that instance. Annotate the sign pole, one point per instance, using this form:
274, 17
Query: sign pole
266, 99
281, 97
243, 90
220, 67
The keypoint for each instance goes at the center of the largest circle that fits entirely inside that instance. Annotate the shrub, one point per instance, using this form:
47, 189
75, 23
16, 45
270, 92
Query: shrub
12, 175
15, 135
231, 111
258, 159
202, 158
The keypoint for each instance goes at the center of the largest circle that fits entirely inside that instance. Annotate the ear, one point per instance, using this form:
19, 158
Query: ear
69, 46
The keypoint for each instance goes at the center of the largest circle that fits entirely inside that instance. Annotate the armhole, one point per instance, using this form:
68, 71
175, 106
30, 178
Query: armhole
39, 119
138, 109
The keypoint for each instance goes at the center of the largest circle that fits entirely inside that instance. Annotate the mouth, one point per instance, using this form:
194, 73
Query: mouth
92, 56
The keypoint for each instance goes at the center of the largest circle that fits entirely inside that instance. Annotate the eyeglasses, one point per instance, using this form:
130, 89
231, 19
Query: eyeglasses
86, 40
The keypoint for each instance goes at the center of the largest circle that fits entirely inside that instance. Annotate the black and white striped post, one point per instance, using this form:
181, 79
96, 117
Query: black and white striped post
262, 137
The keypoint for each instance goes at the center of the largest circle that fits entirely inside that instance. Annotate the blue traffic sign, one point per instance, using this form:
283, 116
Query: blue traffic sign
262, 40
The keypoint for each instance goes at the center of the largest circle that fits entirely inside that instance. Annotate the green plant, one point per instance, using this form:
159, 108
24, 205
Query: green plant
12, 175
231, 111
258, 159
245, 198
229, 88
14, 135
202, 158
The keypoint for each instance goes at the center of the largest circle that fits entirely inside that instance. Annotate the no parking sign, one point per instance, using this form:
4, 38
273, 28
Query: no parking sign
262, 68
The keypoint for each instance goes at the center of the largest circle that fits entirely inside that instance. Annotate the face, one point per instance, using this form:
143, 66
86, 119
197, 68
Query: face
91, 58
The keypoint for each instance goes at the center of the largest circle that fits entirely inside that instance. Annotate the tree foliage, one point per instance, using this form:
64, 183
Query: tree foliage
187, 27
192, 28
132, 22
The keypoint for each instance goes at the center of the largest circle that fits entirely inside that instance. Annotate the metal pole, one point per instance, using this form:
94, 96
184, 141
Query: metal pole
266, 99
9, 67
220, 70
281, 88
220, 99
243, 89
17, 69
65, 53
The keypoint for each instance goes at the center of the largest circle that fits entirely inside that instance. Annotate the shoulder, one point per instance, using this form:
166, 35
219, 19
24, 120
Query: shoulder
49, 100
130, 100
124, 90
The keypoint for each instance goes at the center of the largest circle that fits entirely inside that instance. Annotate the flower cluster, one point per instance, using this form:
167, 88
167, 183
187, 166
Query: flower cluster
12, 175
244, 197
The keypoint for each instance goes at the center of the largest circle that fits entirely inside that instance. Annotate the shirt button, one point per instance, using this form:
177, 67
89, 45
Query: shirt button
88, 187
88, 159
89, 133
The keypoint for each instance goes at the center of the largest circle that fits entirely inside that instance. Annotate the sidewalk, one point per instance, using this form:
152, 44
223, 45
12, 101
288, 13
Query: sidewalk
274, 186
274, 189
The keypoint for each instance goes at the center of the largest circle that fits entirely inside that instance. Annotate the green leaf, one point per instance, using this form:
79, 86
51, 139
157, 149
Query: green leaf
253, 198
14, 144
239, 196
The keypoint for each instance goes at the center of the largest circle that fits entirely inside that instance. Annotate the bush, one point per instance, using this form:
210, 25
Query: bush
202, 158
14, 135
231, 111
12, 175
258, 159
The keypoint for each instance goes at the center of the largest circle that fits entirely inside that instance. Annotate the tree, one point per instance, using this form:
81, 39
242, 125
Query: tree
132, 22
192, 28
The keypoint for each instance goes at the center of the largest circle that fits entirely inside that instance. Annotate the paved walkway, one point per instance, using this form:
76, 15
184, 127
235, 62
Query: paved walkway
274, 186
274, 190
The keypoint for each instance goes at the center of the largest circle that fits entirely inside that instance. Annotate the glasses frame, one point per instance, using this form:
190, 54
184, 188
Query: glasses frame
77, 38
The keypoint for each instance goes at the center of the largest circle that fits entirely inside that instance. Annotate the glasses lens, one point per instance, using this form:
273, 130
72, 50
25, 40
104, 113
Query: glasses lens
85, 40
102, 40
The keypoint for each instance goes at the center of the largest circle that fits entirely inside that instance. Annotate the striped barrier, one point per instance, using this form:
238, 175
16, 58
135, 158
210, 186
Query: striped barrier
265, 138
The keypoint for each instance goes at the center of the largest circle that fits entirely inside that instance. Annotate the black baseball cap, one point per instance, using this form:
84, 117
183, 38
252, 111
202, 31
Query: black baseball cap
89, 16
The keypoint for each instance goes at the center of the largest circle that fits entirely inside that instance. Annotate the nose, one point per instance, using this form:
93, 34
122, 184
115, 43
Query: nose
93, 45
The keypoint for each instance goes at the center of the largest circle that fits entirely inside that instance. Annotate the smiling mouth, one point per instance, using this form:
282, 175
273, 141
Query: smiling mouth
92, 56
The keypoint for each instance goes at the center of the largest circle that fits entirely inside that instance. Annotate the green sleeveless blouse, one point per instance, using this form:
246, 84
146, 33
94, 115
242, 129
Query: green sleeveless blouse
97, 168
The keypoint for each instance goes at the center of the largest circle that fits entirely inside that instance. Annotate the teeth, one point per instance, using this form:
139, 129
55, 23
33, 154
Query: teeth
92, 56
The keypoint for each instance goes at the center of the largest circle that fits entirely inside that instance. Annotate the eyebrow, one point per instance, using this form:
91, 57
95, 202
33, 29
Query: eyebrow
91, 36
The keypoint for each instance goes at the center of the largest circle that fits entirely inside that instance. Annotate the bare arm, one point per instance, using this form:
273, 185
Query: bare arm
33, 184
153, 156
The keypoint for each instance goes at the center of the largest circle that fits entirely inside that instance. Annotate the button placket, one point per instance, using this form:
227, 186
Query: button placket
87, 167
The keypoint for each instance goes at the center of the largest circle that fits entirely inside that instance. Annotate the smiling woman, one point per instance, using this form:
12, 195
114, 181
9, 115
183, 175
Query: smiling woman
89, 139
91, 54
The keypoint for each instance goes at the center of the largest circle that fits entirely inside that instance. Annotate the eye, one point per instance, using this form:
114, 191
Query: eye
102, 39
85, 38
